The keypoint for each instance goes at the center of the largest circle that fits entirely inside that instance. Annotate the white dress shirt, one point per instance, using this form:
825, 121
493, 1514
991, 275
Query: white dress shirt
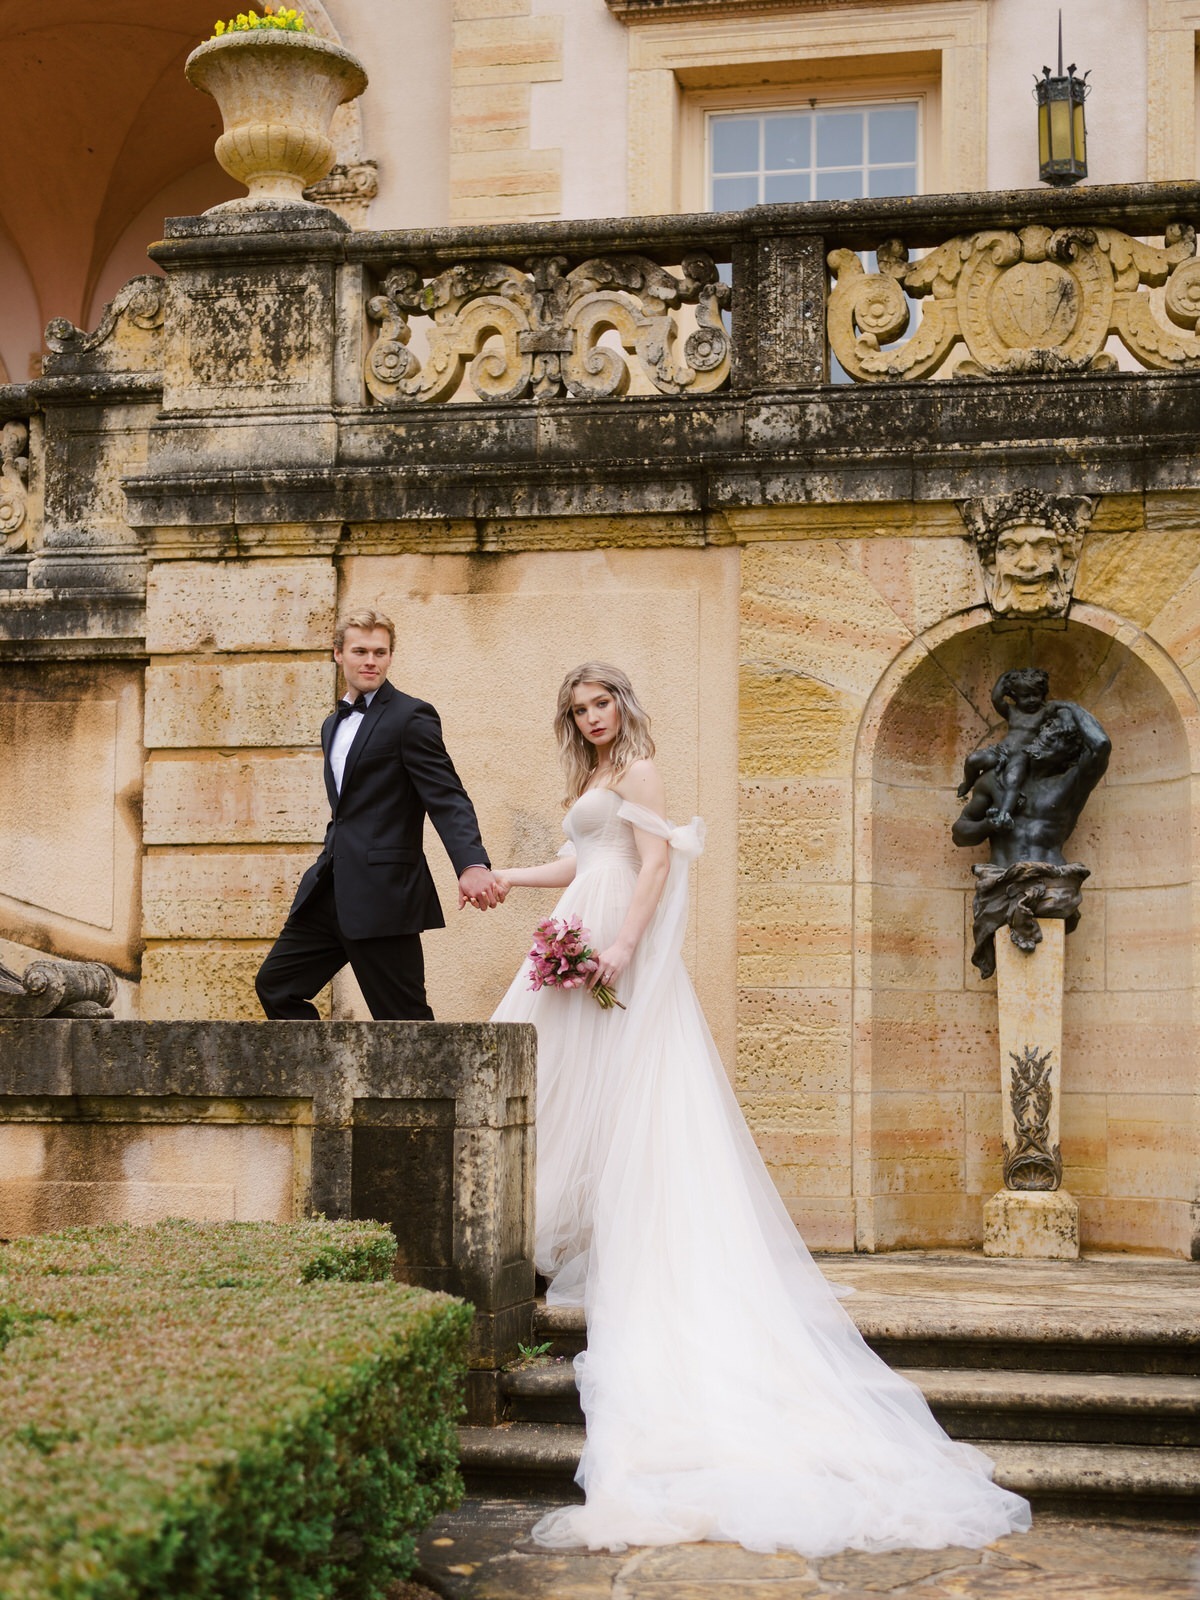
343, 738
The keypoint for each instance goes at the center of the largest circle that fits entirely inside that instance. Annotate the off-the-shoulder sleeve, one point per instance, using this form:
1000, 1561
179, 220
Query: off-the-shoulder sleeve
688, 841
567, 848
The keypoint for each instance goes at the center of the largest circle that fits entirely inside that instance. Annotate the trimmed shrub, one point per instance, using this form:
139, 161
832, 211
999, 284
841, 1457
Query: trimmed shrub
232, 1411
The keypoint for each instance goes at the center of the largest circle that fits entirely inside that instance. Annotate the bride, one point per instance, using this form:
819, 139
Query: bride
727, 1394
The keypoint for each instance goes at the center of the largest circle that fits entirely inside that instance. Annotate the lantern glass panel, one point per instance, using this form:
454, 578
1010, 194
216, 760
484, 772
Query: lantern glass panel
1060, 130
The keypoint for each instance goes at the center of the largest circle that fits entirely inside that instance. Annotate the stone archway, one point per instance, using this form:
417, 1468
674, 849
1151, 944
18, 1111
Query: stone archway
926, 1104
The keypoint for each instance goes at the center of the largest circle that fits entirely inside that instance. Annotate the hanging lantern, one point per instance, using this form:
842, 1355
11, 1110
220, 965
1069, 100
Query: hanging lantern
1062, 134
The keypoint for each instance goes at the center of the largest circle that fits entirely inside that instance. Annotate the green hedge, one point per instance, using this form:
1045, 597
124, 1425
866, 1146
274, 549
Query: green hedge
231, 1411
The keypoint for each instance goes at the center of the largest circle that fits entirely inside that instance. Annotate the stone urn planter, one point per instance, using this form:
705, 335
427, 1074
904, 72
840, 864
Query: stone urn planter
277, 93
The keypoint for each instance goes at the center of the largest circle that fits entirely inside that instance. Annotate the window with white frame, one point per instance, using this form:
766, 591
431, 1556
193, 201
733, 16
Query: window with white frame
833, 152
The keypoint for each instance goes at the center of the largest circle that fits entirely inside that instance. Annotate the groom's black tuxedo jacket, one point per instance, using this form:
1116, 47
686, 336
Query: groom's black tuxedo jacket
397, 771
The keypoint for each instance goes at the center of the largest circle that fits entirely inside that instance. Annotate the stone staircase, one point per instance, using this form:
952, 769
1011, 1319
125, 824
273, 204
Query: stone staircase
1081, 1380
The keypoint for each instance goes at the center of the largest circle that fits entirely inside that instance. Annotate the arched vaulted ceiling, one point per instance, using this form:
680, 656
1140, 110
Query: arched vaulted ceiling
99, 122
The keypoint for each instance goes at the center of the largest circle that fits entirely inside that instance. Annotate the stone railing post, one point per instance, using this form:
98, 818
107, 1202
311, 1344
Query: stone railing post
779, 311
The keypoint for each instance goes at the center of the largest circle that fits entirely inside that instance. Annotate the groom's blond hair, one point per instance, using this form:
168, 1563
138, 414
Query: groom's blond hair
367, 620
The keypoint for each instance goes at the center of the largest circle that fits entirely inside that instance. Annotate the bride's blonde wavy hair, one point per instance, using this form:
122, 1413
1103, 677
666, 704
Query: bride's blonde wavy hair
633, 741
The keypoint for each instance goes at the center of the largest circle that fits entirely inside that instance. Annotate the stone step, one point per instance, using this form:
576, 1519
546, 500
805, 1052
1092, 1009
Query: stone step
522, 1458
977, 1336
1151, 1411
1109, 1479
1081, 1408
539, 1458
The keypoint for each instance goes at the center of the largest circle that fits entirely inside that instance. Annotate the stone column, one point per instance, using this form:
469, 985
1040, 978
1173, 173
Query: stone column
1032, 1215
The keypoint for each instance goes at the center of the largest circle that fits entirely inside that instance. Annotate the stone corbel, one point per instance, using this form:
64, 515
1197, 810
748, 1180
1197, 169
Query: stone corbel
348, 190
14, 476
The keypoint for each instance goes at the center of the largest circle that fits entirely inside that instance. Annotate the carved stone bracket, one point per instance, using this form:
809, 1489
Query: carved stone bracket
14, 475
1037, 300
349, 189
58, 989
128, 337
1031, 1162
515, 333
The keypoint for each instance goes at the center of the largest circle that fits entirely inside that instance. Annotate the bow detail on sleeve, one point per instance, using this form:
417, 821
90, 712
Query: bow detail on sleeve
687, 841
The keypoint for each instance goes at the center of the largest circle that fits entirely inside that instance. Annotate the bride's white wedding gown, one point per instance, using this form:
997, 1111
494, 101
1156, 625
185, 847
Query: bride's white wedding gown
727, 1393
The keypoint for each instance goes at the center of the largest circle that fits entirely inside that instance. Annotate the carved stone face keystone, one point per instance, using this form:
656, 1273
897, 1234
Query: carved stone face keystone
1032, 573
1028, 545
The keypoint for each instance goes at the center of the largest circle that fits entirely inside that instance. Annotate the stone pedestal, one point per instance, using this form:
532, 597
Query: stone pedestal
1031, 1216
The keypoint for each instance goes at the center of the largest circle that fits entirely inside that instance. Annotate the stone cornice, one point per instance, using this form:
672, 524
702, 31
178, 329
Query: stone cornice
642, 11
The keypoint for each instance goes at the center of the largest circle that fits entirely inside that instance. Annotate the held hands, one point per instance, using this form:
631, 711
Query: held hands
481, 888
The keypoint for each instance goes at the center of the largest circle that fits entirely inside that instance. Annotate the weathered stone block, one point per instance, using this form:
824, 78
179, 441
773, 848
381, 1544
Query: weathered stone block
196, 981
251, 336
794, 831
60, 859
806, 607
1036, 1226
67, 1174
1136, 572
219, 894
228, 799
793, 1041
796, 938
507, 50
205, 704
793, 725
196, 606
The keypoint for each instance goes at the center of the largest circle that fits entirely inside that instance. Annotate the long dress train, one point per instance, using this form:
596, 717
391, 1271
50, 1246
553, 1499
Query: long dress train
727, 1394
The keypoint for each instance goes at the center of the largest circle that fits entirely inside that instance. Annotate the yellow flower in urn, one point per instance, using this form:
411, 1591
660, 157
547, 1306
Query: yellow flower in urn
285, 19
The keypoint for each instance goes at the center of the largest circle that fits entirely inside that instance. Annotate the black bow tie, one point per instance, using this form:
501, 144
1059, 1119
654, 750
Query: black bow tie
345, 707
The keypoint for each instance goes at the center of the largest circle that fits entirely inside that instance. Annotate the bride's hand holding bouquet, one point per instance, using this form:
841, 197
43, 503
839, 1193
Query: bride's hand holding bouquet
561, 958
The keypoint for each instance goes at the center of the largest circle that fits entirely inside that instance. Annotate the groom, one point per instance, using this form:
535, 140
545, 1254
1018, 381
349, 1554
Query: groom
369, 895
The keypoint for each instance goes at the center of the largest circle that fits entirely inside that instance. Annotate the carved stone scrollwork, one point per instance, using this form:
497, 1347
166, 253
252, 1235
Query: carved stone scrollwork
14, 474
348, 189
515, 333
1038, 300
58, 989
1030, 1162
140, 303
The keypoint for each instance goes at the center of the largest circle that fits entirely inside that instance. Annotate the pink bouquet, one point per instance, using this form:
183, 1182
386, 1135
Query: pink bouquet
561, 958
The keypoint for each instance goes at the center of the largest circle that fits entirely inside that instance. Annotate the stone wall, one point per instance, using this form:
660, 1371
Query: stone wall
867, 1045
781, 564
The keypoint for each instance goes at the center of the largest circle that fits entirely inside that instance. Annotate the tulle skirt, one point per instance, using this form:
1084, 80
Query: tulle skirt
728, 1396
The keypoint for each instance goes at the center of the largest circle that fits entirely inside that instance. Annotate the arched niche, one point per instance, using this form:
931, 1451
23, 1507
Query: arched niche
104, 137
926, 1104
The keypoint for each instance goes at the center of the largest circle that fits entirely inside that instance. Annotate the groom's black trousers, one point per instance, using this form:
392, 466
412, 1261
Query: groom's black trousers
312, 947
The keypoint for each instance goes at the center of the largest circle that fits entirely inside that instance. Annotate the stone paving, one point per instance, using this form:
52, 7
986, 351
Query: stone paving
483, 1552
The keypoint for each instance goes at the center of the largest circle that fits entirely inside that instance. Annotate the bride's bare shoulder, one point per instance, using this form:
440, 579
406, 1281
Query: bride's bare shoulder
641, 783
